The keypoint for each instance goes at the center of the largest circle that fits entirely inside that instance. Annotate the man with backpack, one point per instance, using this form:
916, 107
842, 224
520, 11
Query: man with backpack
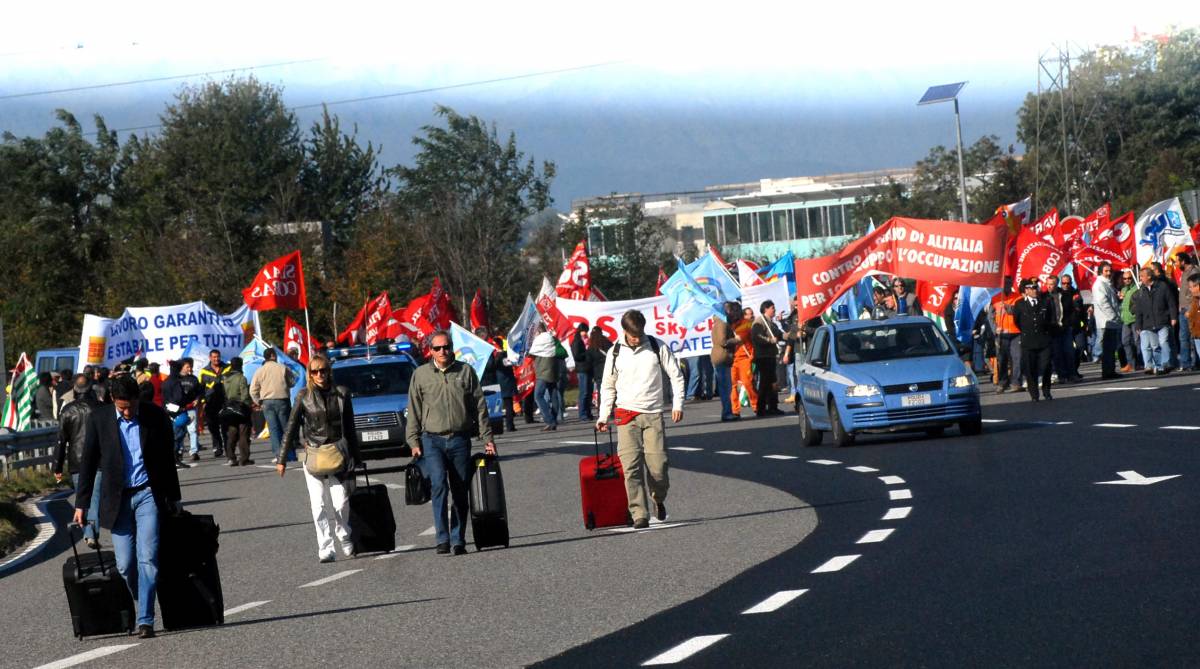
634, 392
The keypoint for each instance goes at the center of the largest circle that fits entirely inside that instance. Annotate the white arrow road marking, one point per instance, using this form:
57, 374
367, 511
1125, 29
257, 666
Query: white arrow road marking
774, 602
429, 532
733, 452
825, 462
1180, 427
874, 536
1114, 425
685, 448
891, 480
898, 513
331, 579
86, 657
684, 650
903, 493
245, 607
836, 564
1134, 478
860, 468
395, 552
780, 457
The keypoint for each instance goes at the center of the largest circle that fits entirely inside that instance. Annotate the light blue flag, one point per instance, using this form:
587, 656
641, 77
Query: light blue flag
252, 360
690, 303
521, 334
785, 267
469, 349
708, 274
971, 300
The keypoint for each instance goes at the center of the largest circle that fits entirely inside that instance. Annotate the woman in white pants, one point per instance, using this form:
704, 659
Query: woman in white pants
322, 421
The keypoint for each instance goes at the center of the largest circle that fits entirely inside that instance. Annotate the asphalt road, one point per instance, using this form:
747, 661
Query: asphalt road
996, 550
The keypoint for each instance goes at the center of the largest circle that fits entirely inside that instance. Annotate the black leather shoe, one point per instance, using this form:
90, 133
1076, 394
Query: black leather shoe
443, 549
145, 632
460, 550
1048, 396
660, 511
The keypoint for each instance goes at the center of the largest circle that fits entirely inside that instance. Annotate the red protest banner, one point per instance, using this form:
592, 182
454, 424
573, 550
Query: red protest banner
296, 341
555, 321
935, 297
1037, 257
937, 251
575, 282
278, 285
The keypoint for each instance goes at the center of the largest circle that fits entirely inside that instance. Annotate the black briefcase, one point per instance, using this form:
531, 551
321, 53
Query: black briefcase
189, 581
417, 487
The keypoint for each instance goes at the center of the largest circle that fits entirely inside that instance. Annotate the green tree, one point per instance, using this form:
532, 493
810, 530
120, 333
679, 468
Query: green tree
642, 246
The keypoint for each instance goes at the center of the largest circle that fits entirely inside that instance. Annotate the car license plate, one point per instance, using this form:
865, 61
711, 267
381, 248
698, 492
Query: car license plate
918, 400
375, 435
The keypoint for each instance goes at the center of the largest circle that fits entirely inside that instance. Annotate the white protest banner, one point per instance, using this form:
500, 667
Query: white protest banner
684, 342
161, 334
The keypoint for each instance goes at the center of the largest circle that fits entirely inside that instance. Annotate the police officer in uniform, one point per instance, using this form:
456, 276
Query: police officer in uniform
1034, 315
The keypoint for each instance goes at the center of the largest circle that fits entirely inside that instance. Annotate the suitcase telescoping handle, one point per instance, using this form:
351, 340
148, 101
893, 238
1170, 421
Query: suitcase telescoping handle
71, 540
612, 449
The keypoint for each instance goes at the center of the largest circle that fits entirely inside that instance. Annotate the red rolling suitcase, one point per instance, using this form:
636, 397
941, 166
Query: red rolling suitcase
602, 488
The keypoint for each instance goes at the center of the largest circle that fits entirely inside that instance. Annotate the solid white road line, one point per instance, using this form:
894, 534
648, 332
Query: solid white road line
874, 536
861, 468
1064, 422
429, 532
836, 564
774, 602
580, 443
891, 480
897, 513
394, 486
654, 525
733, 452
992, 420
1114, 425
684, 448
331, 579
825, 462
780, 457
396, 552
97, 653
684, 650
1180, 427
245, 607
903, 493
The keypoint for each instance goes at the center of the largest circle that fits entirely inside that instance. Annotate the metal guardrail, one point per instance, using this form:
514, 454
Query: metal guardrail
28, 448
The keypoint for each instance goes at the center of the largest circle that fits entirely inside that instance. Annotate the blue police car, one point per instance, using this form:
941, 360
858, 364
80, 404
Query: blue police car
889, 375
378, 379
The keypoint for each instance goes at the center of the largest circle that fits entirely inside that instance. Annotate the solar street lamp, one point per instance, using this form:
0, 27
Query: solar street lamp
946, 93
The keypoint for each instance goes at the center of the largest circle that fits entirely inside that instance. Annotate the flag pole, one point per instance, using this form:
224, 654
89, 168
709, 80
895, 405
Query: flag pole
307, 333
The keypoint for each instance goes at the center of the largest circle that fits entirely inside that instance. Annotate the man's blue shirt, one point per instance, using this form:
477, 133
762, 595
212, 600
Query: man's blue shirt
131, 443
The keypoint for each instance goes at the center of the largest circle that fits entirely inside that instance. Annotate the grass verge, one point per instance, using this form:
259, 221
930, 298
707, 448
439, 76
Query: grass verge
15, 528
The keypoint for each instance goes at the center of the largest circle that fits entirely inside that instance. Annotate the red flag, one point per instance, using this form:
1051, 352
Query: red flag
575, 282
1111, 242
377, 318
935, 297
296, 341
278, 285
1047, 228
1036, 256
479, 314
439, 310
526, 378
558, 324
373, 309
662, 278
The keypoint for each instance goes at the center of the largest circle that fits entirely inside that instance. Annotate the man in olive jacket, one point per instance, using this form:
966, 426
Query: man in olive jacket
724, 343
445, 405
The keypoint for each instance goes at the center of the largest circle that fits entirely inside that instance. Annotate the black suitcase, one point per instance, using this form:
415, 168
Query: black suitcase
372, 524
189, 581
97, 595
489, 511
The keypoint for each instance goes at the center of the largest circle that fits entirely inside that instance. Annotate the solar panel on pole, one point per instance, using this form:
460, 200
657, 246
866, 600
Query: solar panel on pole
942, 93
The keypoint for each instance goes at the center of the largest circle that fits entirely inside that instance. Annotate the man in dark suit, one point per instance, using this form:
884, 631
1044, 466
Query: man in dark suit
1034, 317
133, 443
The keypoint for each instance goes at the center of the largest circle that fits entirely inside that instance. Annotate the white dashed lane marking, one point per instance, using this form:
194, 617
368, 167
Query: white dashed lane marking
245, 607
891, 480
898, 513
685, 448
331, 578
780, 457
861, 468
429, 532
395, 552
824, 462
874, 536
774, 602
94, 654
733, 452
903, 493
1114, 425
684, 650
1180, 427
394, 486
992, 420
836, 564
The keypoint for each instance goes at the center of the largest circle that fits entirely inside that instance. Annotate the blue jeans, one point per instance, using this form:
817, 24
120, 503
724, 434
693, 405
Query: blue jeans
93, 512
1062, 352
585, 396
1185, 335
1156, 343
446, 461
693, 377
181, 433
706, 376
135, 544
724, 388
192, 434
276, 412
546, 395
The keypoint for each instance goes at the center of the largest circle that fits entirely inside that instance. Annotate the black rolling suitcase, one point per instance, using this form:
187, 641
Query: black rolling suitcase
372, 524
489, 511
189, 581
97, 595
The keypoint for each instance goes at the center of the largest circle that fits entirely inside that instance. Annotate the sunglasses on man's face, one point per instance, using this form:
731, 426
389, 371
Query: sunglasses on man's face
447, 347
